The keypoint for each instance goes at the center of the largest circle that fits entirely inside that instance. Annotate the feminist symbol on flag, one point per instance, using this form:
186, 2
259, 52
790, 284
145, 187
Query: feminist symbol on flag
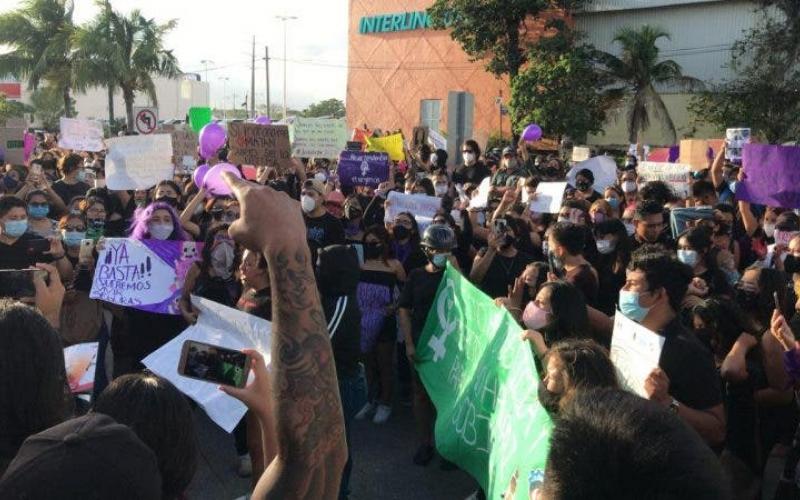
364, 167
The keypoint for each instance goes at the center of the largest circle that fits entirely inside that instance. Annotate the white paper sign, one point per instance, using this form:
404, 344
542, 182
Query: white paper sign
481, 197
674, 174
318, 137
423, 207
604, 169
138, 161
80, 134
635, 352
221, 326
581, 153
549, 196
437, 140
735, 139
80, 361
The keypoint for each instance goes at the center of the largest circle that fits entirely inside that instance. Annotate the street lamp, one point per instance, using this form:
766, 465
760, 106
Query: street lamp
284, 19
224, 85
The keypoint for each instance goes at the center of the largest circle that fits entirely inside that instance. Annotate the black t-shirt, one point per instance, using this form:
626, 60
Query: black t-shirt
502, 273
693, 378
68, 191
19, 256
323, 231
474, 174
418, 296
343, 315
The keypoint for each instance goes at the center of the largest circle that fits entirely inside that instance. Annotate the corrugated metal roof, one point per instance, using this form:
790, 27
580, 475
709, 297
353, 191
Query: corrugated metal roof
613, 5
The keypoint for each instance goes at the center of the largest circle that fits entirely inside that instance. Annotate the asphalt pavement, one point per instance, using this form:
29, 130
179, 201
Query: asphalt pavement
382, 464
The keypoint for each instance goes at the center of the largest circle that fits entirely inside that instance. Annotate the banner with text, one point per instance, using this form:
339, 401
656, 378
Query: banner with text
259, 145
391, 144
80, 134
674, 174
423, 207
363, 169
482, 379
318, 137
138, 161
146, 275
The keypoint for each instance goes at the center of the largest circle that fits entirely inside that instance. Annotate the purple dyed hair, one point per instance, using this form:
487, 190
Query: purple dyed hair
140, 231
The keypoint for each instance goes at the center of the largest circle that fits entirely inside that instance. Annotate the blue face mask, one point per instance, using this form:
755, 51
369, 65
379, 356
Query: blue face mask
614, 202
81, 175
439, 260
629, 306
38, 211
15, 228
72, 238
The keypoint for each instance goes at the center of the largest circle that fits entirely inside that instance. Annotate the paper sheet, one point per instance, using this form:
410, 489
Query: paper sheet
549, 196
635, 352
80, 361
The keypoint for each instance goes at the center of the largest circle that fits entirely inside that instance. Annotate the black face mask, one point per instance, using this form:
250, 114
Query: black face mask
792, 264
401, 232
583, 185
748, 300
373, 250
508, 240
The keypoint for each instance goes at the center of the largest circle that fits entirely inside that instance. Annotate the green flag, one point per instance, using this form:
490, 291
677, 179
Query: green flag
199, 117
482, 379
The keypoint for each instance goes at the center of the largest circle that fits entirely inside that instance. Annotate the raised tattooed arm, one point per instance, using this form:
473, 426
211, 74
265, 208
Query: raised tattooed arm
308, 412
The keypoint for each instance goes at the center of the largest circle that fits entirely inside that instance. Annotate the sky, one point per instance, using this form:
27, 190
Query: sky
223, 33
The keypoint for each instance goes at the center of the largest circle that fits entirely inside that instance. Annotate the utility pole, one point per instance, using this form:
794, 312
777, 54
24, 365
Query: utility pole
500, 112
266, 58
224, 106
253, 81
206, 62
233, 104
284, 19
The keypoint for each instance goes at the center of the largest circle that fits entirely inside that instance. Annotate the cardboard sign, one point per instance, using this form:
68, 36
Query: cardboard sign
146, 275
674, 174
12, 145
184, 149
696, 152
363, 169
318, 137
138, 161
259, 145
80, 134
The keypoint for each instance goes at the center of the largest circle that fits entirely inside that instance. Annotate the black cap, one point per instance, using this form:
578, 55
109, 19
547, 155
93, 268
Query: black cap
89, 457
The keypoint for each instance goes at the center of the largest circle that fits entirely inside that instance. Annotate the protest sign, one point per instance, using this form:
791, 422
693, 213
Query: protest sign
437, 140
80, 134
138, 161
480, 198
698, 153
676, 175
220, 326
658, 155
421, 206
392, 144
735, 139
482, 379
363, 169
772, 175
581, 153
259, 145
549, 196
184, 149
679, 217
199, 117
604, 169
12, 144
318, 137
80, 361
146, 275
360, 135
635, 352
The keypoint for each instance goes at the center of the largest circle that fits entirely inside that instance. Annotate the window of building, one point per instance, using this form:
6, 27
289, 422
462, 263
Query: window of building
430, 113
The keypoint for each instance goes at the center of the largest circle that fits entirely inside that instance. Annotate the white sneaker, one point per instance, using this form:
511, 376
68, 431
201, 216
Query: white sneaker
382, 414
245, 466
366, 410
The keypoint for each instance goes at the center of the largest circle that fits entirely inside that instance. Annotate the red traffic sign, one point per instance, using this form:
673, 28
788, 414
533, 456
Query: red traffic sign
146, 121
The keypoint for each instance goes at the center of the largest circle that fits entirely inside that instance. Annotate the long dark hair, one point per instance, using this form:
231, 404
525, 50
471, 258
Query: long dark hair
700, 240
161, 417
586, 363
568, 307
382, 234
33, 382
724, 321
415, 236
622, 252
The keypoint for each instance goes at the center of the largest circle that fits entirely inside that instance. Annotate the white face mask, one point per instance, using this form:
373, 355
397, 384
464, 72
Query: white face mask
605, 247
769, 229
469, 157
441, 190
308, 203
222, 260
161, 231
629, 186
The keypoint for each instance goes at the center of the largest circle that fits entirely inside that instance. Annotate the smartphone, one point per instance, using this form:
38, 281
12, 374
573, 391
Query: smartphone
500, 226
18, 283
37, 246
85, 253
215, 364
777, 301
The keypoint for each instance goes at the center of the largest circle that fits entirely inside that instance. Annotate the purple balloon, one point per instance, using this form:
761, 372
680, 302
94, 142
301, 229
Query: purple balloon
532, 133
198, 175
212, 138
263, 120
213, 181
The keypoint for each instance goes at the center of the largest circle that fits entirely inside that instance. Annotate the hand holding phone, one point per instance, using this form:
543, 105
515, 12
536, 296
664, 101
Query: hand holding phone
85, 255
215, 364
258, 395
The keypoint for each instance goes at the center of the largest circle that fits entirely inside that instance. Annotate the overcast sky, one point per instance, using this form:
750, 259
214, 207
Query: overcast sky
222, 32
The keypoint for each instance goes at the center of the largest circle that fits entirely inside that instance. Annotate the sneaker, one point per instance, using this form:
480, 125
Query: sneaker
423, 456
366, 410
382, 414
245, 466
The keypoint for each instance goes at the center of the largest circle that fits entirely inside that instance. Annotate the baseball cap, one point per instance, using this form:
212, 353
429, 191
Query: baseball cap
87, 457
316, 185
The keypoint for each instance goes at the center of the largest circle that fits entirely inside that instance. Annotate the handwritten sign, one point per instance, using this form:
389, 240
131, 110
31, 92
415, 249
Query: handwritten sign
146, 275
635, 352
138, 161
421, 206
549, 196
80, 134
12, 144
363, 169
674, 174
184, 149
581, 153
259, 145
318, 137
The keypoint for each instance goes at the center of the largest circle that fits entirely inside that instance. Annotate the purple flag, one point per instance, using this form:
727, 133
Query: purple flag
772, 175
674, 153
363, 169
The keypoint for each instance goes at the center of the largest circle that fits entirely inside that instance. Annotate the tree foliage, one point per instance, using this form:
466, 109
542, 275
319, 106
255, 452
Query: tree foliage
561, 88
638, 73
333, 108
765, 95
12, 109
48, 106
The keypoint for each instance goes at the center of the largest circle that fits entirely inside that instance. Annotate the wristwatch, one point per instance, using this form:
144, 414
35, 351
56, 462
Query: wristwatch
674, 405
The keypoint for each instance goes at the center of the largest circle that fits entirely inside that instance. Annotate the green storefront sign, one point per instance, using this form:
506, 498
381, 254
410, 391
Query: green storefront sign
387, 23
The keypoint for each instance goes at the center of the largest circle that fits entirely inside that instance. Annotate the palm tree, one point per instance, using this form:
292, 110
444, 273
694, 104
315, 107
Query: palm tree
39, 34
637, 73
95, 55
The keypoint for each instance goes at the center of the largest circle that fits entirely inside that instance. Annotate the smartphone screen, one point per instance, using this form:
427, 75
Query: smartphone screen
87, 247
38, 246
18, 283
213, 364
500, 226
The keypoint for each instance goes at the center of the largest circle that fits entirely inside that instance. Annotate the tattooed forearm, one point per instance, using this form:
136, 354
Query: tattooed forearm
309, 420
